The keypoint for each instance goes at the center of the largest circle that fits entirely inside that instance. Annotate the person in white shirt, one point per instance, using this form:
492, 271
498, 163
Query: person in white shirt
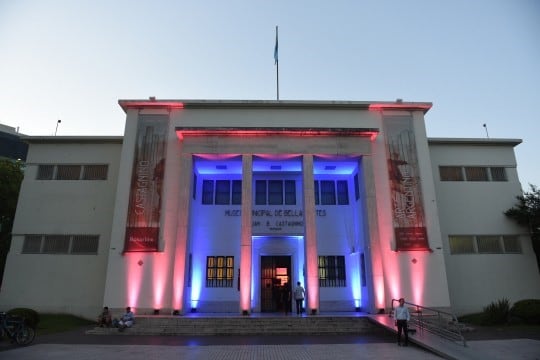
402, 315
299, 297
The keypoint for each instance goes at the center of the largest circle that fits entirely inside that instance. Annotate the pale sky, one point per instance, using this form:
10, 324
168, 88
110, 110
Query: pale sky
477, 61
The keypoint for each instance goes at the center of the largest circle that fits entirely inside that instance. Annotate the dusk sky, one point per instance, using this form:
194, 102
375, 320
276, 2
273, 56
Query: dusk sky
477, 61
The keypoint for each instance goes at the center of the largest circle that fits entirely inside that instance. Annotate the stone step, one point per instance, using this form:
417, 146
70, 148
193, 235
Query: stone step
238, 325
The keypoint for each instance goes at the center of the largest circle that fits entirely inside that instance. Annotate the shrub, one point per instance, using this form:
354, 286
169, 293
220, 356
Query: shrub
497, 312
527, 310
31, 317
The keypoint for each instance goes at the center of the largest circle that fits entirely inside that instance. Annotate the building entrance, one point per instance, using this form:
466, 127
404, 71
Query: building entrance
275, 278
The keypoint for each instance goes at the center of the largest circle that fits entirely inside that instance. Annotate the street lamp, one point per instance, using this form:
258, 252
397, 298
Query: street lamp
58, 122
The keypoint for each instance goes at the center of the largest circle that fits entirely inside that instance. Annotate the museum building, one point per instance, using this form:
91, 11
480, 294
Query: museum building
216, 206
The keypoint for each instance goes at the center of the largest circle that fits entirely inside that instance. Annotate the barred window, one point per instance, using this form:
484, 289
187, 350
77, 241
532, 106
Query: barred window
85, 244
511, 244
32, 244
223, 192
476, 173
332, 271
451, 173
60, 244
356, 187
95, 172
275, 192
56, 244
45, 172
219, 271
498, 173
68, 172
461, 244
208, 192
488, 244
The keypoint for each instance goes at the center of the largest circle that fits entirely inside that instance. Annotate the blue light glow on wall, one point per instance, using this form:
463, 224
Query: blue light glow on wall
196, 284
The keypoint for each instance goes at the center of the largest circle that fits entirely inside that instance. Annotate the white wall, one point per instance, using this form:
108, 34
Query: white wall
476, 208
64, 282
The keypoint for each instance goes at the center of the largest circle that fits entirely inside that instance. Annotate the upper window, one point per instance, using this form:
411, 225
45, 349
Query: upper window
484, 244
60, 244
72, 172
472, 173
275, 192
330, 192
221, 192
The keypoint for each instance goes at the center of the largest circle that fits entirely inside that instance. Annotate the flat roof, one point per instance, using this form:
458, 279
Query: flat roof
474, 141
153, 103
71, 139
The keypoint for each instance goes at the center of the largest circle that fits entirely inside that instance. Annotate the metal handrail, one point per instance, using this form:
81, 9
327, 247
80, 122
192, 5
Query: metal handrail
438, 322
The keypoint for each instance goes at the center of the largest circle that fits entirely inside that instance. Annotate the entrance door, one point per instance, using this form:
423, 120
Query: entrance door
275, 274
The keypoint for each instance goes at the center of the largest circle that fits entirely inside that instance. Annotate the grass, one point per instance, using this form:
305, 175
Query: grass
55, 323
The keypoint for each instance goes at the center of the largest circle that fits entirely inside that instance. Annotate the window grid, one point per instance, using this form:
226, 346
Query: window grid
219, 271
208, 192
223, 192
45, 172
95, 172
60, 244
68, 172
236, 192
328, 192
342, 192
484, 244
275, 192
332, 271
473, 173
72, 172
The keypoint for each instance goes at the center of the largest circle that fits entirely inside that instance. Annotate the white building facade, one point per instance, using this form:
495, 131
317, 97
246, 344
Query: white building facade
216, 206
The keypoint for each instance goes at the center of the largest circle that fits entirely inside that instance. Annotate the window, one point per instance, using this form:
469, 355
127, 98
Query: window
316, 187
84, 244
56, 244
275, 192
68, 172
488, 245
45, 172
472, 173
342, 192
332, 271
208, 192
290, 192
260, 192
95, 172
476, 173
194, 186
498, 174
236, 192
461, 244
450, 173
60, 244
356, 187
219, 271
484, 244
328, 192
511, 244
223, 192
72, 172
32, 244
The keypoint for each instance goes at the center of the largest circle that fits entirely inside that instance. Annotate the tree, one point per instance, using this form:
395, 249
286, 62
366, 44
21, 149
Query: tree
527, 213
11, 175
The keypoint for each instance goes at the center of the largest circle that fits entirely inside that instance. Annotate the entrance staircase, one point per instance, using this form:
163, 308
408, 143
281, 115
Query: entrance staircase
245, 325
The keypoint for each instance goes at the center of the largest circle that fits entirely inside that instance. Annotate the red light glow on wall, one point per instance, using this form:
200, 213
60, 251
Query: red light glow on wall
135, 271
159, 278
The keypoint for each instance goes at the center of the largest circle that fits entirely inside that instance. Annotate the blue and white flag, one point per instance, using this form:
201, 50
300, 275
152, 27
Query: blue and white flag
276, 48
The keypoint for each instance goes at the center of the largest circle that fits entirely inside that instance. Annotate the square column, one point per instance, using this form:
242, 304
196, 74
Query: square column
310, 236
180, 249
245, 241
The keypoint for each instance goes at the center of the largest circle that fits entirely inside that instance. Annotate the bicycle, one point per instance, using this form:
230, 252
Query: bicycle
16, 329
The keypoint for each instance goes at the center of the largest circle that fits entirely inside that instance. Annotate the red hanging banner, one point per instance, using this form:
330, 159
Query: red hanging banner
144, 212
405, 186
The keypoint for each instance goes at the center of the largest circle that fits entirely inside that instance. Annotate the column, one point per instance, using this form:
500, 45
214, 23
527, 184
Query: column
245, 241
310, 237
180, 251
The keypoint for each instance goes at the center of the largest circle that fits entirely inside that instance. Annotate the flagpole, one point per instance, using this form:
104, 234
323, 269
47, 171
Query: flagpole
276, 58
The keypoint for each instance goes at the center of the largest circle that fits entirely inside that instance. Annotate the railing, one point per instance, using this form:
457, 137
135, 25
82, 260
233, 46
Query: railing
440, 323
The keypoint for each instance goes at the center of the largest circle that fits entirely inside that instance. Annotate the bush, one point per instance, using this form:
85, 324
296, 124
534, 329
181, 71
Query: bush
31, 317
527, 310
497, 313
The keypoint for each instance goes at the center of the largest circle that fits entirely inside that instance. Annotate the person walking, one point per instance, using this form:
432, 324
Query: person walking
299, 297
402, 317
